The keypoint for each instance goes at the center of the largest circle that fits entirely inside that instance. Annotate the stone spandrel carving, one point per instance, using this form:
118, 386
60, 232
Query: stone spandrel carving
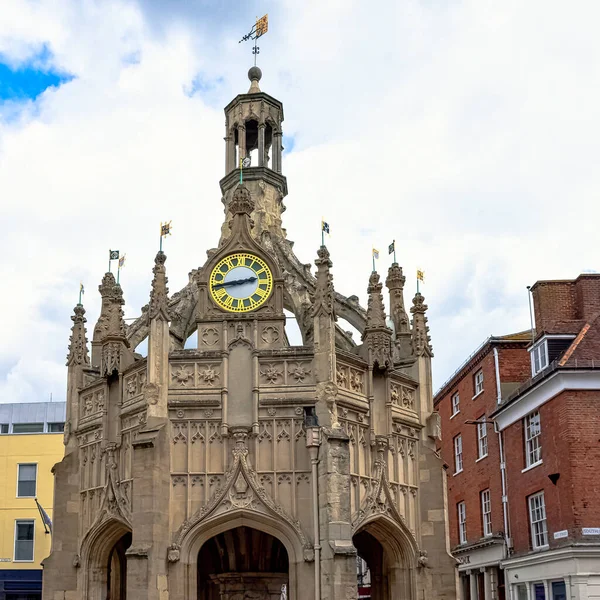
241, 489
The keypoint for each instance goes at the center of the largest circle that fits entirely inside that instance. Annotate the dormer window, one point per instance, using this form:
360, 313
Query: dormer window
539, 357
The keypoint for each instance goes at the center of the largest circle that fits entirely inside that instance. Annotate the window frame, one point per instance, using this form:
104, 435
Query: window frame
19, 465
455, 405
462, 524
536, 357
533, 443
18, 425
532, 524
49, 426
458, 442
22, 560
477, 381
486, 516
482, 440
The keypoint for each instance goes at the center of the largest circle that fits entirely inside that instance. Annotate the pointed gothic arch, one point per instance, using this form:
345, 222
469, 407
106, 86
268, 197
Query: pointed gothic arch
96, 554
391, 553
203, 531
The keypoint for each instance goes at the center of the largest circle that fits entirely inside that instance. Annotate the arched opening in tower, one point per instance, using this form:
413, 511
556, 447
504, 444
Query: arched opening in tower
116, 581
242, 560
382, 574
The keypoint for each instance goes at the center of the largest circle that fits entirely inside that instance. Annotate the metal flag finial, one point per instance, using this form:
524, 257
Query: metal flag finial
258, 29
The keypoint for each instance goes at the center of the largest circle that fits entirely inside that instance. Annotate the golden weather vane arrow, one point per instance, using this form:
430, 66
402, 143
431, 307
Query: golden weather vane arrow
258, 29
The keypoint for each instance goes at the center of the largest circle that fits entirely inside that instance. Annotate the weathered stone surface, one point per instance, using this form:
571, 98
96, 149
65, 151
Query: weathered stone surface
246, 464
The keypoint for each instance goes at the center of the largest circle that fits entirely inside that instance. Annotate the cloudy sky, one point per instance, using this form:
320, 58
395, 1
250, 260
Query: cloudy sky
468, 131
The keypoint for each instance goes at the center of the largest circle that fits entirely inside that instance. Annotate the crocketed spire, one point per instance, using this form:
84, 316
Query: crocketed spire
377, 337
323, 296
159, 300
420, 329
78, 351
395, 284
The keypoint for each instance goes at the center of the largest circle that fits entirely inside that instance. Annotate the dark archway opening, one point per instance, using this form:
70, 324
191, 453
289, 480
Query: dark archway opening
116, 582
371, 571
240, 561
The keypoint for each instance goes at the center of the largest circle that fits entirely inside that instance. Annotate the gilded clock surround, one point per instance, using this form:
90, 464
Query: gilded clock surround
226, 265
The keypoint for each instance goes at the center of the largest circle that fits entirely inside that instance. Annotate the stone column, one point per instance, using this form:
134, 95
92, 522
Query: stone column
229, 152
261, 145
277, 138
338, 558
473, 585
242, 141
487, 586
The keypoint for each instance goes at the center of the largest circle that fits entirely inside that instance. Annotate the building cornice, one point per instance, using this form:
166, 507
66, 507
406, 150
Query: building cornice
553, 383
546, 556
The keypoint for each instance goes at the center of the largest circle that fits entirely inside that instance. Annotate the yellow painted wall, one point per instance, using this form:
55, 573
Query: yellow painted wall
45, 450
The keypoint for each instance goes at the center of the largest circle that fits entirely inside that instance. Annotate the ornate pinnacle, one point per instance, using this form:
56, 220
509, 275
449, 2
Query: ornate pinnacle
375, 308
395, 284
420, 329
159, 300
242, 201
110, 322
323, 297
377, 336
78, 351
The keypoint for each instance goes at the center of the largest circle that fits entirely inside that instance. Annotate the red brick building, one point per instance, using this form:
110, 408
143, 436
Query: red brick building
538, 537
470, 448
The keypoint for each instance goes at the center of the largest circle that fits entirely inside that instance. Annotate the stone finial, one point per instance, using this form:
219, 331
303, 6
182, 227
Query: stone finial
323, 297
377, 337
242, 202
159, 300
420, 329
395, 284
78, 351
254, 75
111, 320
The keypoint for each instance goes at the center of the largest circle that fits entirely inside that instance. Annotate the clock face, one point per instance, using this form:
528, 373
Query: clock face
240, 282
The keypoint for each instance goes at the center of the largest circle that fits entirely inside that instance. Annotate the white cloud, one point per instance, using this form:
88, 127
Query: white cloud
466, 131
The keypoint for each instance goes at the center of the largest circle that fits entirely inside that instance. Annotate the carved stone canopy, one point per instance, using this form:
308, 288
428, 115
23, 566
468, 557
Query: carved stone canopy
242, 202
78, 352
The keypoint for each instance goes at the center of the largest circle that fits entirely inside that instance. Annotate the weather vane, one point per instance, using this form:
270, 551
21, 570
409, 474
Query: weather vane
260, 28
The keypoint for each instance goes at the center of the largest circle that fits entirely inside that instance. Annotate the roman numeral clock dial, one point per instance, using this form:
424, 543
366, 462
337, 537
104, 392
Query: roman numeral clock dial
240, 282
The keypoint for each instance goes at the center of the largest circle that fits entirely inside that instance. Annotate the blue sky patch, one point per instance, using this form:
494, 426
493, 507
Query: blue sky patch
28, 80
288, 143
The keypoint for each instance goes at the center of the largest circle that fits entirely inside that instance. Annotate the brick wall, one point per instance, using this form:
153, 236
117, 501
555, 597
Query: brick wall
561, 306
515, 365
477, 475
571, 448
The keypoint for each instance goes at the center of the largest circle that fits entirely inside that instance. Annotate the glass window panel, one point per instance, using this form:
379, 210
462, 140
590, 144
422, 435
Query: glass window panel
538, 591
559, 591
24, 531
28, 428
3, 427
522, 591
27, 479
56, 427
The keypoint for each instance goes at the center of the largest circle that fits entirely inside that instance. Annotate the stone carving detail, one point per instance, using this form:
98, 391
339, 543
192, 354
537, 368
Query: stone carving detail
299, 372
327, 392
284, 434
114, 502
265, 434
242, 490
92, 403
173, 553
179, 480
209, 375
179, 430
271, 411
420, 329
182, 375
341, 377
151, 393
380, 500
270, 335
210, 336
408, 398
356, 380
197, 435
395, 395
159, 300
272, 373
